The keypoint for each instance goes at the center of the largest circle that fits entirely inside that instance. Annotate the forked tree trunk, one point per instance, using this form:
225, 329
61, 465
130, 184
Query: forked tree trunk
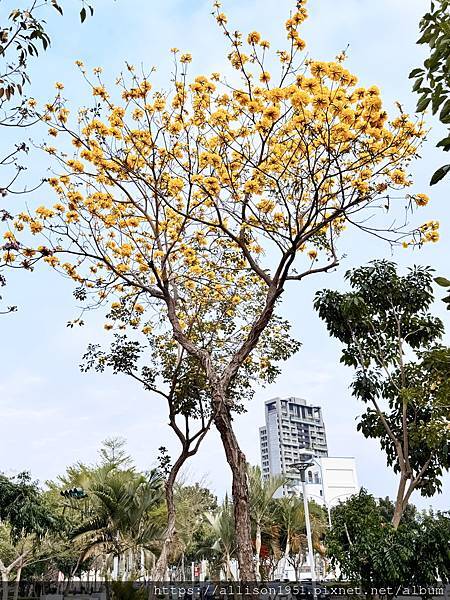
399, 502
240, 492
160, 569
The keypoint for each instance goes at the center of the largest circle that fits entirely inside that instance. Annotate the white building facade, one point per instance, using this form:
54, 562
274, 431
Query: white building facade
292, 428
292, 425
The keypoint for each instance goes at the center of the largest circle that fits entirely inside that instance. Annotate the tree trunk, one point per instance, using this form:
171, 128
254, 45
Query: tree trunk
5, 585
287, 549
258, 551
240, 493
399, 502
159, 572
16, 586
228, 573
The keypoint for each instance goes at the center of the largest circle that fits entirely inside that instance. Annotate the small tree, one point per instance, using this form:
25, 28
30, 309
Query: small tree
202, 203
164, 367
391, 340
370, 552
193, 503
223, 529
119, 515
287, 530
25, 520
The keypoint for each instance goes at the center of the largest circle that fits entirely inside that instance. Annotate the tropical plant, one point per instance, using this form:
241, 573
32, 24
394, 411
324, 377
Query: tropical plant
392, 341
288, 530
124, 517
223, 529
23, 507
262, 492
26, 520
192, 503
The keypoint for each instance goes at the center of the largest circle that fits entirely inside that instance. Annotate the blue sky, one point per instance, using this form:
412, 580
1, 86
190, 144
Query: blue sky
52, 415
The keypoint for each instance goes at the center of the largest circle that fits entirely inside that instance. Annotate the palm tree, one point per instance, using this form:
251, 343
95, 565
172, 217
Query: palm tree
123, 516
222, 525
290, 530
262, 492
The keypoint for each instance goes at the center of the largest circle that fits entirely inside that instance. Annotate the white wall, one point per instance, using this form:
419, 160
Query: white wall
339, 479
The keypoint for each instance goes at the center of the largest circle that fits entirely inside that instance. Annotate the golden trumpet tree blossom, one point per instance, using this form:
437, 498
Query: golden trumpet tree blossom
200, 203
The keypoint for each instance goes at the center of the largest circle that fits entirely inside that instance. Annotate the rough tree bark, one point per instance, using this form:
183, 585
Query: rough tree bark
240, 491
190, 444
160, 569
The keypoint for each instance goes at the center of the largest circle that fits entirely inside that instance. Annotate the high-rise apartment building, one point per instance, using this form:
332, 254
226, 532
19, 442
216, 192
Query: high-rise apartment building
292, 425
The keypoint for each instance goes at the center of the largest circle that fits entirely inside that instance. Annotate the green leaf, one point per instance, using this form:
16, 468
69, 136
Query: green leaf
415, 72
425, 38
417, 84
442, 281
437, 98
440, 174
83, 14
423, 103
444, 115
445, 143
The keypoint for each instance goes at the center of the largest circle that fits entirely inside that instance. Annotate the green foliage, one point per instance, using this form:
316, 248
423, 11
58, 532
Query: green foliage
23, 507
262, 492
194, 536
113, 453
169, 371
370, 552
432, 81
126, 590
120, 515
444, 282
223, 532
391, 341
288, 516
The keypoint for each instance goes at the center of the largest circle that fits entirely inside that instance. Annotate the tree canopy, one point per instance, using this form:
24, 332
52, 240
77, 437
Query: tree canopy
367, 550
401, 371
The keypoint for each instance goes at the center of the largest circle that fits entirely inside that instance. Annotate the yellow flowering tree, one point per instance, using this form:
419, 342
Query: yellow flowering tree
201, 203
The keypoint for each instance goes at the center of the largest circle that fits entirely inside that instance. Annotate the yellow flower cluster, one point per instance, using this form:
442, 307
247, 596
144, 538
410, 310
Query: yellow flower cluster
430, 231
191, 187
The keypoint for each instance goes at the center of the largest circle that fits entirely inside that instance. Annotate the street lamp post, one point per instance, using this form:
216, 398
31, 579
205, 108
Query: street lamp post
301, 467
